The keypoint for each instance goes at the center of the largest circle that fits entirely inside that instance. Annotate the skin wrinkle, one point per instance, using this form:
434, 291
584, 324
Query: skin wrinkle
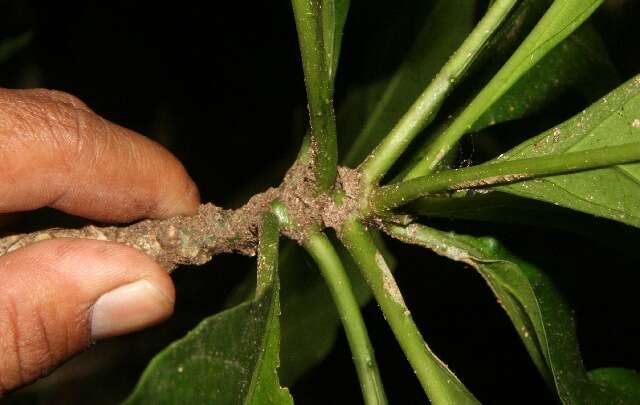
80, 326
42, 326
67, 337
14, 327
63, 161
33, 123
70, 120
3, 385
31, 344
5, 379
61, 97
37, 351
77, 142
29, 123
78, 147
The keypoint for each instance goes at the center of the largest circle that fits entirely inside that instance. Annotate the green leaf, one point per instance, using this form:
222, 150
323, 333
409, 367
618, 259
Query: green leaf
612, 192
621, 379
538, 312
510, 35
10, 46
231, 357
498, 207
369, 112
560, 20
310, 322
439, 383
333, 270
579, 64
334, 16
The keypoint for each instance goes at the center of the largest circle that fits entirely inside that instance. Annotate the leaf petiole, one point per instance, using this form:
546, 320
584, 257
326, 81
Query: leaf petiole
317, 68
439, 383
562, 18
501, 172
427, 105
330, 265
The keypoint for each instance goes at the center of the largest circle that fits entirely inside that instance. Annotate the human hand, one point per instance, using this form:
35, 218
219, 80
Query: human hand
58, 296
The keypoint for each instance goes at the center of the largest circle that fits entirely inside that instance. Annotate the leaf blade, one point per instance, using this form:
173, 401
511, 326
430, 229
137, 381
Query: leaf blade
612, 192
579, 63
229, 358
560, 20
542, 319
622, 379
334, 17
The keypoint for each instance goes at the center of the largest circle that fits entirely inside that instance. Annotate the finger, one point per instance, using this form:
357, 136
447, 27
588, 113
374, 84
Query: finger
54, 151
58, 296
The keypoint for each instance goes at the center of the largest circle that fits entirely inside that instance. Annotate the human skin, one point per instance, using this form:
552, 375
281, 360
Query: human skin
59, 296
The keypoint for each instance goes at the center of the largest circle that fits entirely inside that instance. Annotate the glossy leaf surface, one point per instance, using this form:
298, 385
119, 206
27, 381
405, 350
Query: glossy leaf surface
612, 192
230, 358
334, 18
561, 19
309, 321
578, 64
541, 317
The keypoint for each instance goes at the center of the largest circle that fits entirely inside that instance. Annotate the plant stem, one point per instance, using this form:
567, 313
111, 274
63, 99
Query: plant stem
479, 253
268, 246
501, 172
308, 16
427, 105
172, 241
545, 36
325, 256
439, 383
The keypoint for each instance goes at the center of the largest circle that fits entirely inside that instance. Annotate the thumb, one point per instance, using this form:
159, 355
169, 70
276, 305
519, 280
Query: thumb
58, 296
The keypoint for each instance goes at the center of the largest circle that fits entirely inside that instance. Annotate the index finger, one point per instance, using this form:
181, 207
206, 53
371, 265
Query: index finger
54, 151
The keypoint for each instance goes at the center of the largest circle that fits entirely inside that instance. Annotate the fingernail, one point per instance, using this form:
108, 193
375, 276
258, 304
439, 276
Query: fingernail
129, 308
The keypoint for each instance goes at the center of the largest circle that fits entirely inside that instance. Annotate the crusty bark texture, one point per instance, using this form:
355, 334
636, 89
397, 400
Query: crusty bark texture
195, 240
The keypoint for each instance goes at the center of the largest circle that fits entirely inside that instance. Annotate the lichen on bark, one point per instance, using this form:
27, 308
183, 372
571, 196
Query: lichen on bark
172, 242
213, 230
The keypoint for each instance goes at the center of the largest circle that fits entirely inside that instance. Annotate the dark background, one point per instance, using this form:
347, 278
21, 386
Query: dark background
221, 86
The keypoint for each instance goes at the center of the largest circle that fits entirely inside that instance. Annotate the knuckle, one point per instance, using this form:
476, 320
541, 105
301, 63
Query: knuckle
60, 97
71, 129
55, 118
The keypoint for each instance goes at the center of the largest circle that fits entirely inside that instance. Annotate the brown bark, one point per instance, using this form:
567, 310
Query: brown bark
195, 240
